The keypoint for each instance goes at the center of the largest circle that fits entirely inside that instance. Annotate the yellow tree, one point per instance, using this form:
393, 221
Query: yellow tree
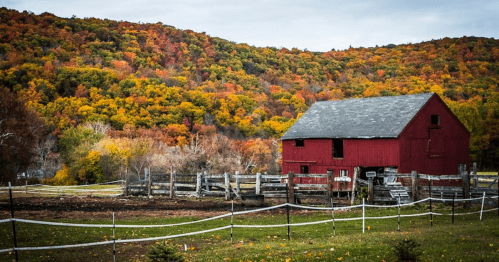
63, 177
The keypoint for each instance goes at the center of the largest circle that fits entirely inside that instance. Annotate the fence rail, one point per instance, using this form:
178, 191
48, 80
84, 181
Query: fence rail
463, 185
202, 184
309, 186
320, 186
231, 226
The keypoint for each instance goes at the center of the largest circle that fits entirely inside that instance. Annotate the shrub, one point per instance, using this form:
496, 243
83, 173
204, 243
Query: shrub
363, 192
92, 172
162, 251
33, 181
407, 250
63, 177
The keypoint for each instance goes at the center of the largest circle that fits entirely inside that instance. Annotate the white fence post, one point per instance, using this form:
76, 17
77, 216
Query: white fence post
238, 186
258, 183
483, 202
172, 184
198, 184
363, 215
227, 186
206, 181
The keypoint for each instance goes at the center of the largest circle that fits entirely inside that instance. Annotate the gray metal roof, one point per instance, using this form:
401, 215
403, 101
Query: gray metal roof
376, 117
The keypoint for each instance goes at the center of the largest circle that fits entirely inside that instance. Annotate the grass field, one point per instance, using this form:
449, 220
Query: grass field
490, 182
469, 239
44, 190
492, 173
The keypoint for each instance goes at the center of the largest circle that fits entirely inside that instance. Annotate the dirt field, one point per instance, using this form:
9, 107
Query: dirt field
101, 208
81, 209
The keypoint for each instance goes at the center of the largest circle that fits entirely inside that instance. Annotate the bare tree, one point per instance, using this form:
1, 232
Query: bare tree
221, 154
275, 167
98, 127
46, 162
169, 159
141, 155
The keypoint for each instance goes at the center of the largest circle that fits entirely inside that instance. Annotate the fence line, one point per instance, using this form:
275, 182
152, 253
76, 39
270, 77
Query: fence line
290, 193
48, 223
118, 241
322, 186
273, 186
363, 218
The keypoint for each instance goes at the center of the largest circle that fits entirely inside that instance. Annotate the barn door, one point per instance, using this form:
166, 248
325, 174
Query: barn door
436, 143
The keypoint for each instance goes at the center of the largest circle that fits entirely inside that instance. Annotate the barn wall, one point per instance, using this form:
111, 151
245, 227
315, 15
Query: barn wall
436, 149
357, 152
317, 154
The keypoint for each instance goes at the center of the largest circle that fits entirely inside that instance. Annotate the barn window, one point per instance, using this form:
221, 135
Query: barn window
435, 120
299, 143
343, 173
337, 148
304, 169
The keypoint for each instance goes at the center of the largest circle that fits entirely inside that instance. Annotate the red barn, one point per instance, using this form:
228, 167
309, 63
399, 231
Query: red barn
412, 132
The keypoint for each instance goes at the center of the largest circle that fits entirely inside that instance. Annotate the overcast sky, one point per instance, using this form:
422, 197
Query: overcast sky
317, 25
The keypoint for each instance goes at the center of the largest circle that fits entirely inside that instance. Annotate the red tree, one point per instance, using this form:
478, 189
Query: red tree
20, 131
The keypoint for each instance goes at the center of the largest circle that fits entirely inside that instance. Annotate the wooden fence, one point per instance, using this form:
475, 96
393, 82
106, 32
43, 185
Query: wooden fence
419, 186
409, 187
203, 184
232, 185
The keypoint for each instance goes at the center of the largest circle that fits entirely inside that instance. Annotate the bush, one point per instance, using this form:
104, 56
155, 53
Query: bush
63, 177
33, 181
363, 192
162, 251
407, 250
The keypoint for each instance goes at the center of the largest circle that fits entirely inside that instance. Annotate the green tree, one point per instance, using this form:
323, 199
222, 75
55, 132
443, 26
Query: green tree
91, 171
76, 143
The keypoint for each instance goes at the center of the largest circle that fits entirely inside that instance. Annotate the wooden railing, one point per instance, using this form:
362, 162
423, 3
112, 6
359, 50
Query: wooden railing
227, 185
422, 185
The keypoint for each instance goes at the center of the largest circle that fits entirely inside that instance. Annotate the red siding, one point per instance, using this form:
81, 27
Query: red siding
318, 155
357, 152
436, 150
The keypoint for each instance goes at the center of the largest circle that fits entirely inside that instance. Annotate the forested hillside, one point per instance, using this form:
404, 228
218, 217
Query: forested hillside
118, 92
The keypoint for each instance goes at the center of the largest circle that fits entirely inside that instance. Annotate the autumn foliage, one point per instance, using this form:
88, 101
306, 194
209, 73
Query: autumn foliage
63, 177
171, 86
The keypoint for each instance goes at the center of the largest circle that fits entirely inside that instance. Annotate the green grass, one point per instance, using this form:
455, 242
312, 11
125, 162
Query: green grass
67, 191
469, 239
488, 184
492, 173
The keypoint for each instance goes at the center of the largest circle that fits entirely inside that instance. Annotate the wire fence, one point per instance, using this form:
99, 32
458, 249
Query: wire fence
232, 214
